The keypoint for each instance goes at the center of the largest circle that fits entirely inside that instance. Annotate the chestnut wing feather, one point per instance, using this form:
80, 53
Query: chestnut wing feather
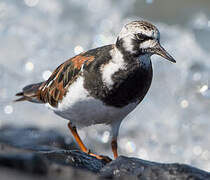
55, 88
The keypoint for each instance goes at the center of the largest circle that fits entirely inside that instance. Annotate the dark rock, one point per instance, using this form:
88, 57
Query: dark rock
54, 173
44, 153
146, 170
59, 165
76, 159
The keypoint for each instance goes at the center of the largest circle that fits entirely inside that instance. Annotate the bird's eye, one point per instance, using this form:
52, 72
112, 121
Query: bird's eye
142, 37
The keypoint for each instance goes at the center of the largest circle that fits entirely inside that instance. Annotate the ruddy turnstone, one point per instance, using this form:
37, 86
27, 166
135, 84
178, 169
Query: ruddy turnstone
102, 85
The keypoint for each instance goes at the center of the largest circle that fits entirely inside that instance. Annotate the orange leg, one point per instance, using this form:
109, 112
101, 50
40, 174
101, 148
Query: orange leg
77, 138
82, 146
114, 147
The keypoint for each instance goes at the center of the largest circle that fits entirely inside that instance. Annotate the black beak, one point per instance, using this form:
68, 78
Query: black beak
159, 50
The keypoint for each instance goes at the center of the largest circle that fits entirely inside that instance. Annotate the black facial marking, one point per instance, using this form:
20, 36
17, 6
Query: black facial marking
139, 38
142, 37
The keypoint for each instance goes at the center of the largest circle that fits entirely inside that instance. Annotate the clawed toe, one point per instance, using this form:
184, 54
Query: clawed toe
107, 159
101, 157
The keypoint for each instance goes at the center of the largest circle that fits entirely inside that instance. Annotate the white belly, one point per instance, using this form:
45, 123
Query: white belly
83, 110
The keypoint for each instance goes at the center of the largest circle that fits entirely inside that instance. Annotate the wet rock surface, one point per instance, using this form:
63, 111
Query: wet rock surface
141, 169
75, 159
44, 155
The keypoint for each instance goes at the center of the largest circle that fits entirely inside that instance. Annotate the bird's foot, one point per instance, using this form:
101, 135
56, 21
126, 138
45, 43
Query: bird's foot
101, 157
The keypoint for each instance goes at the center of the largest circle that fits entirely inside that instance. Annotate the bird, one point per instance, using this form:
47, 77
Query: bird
102, 85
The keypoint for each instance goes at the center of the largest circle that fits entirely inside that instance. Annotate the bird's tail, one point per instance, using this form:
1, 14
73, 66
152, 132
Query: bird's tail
30, 93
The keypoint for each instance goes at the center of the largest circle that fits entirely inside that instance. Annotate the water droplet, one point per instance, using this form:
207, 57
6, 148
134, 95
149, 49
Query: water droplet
29, 66
184, 103
46, 74
130, 146
8, 109
31, 3
105, 137
78, 49
203, 88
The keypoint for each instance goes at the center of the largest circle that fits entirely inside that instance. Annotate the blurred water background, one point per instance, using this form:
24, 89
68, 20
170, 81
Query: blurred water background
172, 124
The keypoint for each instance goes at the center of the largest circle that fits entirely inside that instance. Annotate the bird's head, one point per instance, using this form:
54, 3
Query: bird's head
140, 38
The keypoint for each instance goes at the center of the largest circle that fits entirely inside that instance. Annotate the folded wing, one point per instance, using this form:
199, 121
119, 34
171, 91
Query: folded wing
55, 88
